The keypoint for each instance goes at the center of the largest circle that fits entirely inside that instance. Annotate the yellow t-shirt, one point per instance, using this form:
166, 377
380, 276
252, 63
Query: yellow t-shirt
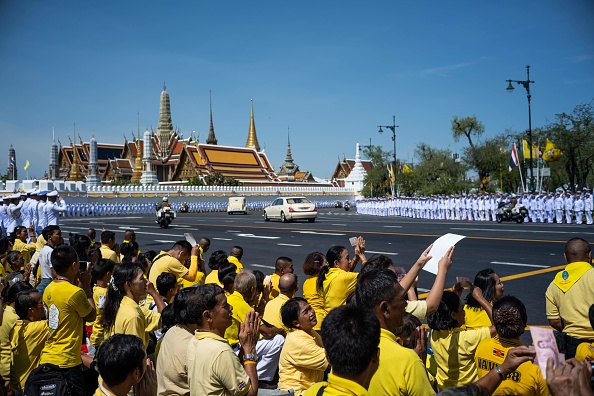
133, 320
338, 285
526, 380
27, 342
274, 291
417, 308
400, 371
234, 260
172, 369
200, 279
272, 313
302, 361
337, 386
166, 263
585, 351
9, 319
572, 306
240, 310
67, 306
109, 254
213, 368
476, 318
315, 299
26, 249
213, 278
99, 297
453, 351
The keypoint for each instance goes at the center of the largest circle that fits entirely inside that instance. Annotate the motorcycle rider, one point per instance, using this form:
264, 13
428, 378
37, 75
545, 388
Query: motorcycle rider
162, 205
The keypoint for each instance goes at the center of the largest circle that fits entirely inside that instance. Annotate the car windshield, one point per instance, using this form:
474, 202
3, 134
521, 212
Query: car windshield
297, 201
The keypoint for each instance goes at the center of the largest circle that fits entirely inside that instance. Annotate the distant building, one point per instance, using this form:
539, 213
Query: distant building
344, 168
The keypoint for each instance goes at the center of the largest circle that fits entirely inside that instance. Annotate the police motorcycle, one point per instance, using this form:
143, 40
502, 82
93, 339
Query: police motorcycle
505, 212
338, 204
184, 208
165, 214
347, 206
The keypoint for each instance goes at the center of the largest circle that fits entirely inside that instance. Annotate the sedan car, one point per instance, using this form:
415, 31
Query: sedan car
291, 208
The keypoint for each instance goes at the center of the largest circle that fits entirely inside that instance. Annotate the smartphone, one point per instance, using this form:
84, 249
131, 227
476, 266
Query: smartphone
83, 266
353, 241
266, 279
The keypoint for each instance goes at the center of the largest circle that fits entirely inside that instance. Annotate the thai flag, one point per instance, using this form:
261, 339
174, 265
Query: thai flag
513, 161
12, 161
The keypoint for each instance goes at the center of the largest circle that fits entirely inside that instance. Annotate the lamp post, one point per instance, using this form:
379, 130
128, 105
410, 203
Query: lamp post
526, 84
393, 129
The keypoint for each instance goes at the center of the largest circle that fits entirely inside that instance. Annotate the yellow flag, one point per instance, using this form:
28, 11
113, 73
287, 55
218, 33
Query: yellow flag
551, 152
27, 165
406, 169
535, 151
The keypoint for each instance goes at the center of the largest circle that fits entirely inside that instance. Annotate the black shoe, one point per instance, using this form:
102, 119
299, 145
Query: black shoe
266, 385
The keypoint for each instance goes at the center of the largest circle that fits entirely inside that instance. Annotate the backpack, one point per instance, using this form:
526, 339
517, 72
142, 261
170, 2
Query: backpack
46, 380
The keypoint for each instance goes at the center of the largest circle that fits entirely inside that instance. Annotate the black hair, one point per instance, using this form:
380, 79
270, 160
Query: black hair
80, 243
377, 261
259, 281
236, 251
332, 255
4, 244
509, 317
227, 273
442, 318
129, 250
281, 263
106, 236
312, 263
591, 315
167, 318
102, 267
92, 230
577, 249
204, 299
204, 242
486, 282
13, 256
116, 290
10, 292
150, 255
180, 305
409, 325
62, 258
376, 286
49, 230
118, 356
165, 282
23, 301
351, 338
216, 259
290, 311
182, 245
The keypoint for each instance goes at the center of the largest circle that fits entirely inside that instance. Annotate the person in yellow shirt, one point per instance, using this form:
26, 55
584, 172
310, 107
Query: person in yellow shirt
311, 267
509, 318
488, 281
109, 248
336, 281
20, 242
92, 234
351, 337
288, 286
453, 346
283, 265
68, 307
303, 358
217, 258
28, 337
173, 261
18, 271
122, 314
102, 271
585, 351
235, 256
123, 365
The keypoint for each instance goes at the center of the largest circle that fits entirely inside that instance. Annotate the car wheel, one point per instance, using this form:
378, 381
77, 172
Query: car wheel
266, 217
499, 218
283, 218
311, 220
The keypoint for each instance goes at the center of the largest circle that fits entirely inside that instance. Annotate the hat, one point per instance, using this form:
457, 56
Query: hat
165, 199
52, 193
32, 192
16, 196
41, 193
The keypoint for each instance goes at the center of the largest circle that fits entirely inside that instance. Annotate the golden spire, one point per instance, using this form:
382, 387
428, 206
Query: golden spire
75, 174
252, 140
137, 171
211, 133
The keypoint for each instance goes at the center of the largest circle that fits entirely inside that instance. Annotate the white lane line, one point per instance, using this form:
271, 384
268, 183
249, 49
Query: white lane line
163, 241
388, 253
422, 290
222, 239
318, 233
520, 264
257, 236
232, 231
129, 228
89, 218
392, 226
527, 231
339, 224
182, 226
288, 244
262, 266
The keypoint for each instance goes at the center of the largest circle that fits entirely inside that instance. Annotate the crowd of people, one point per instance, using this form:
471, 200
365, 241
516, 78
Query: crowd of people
108, 318
559, 207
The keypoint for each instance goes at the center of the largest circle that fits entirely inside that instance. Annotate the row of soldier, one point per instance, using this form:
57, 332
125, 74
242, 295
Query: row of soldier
556, 207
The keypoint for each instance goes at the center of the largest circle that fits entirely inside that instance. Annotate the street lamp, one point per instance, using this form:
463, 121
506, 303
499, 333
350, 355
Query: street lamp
526, 85
393, 129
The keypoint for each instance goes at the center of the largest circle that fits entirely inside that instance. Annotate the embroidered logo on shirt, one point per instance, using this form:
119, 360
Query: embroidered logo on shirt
498, 352
241, 385
53, 317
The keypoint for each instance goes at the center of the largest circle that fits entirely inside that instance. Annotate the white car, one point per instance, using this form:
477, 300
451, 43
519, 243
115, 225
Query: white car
291, 208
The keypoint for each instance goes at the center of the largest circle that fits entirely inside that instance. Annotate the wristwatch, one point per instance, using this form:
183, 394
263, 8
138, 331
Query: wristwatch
250, 356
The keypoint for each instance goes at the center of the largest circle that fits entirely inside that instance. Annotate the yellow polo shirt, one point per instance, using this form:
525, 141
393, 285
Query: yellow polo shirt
26, 249
67, 306
109, 254
337, 386
274, 291
9, 319
240, 310
213, 278
315, 299
453, 351
338, 285
99, 297
585, 351
27, 342
573, 305
133, 320
476, 318
417, 308
213, 367
302, 361
101, 391
200, 279
172, 369
272, 313
400, 372
526, 380
234, 260
167, 263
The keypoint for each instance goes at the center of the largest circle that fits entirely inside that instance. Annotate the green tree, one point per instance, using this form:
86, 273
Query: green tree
436, 173
217, 179
377, 181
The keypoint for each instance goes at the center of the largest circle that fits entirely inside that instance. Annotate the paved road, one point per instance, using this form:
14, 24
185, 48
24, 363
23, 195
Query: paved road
525, 256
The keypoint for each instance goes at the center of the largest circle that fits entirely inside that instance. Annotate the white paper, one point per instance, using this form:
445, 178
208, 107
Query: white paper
439, 249
190, 238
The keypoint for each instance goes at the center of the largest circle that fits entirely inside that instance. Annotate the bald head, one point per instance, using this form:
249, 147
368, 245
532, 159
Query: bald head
578, 249
287, 284
236, 251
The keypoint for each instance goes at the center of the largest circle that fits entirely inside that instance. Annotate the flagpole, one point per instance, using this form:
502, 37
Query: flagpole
520, 170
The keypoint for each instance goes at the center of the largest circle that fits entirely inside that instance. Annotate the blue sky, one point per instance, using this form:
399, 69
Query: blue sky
331, 71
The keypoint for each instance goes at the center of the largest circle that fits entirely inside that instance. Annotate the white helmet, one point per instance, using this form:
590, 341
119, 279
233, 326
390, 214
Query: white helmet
165, 199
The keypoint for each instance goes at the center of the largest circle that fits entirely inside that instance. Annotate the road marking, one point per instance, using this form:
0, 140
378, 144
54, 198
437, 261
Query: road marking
520, 264
520, 231
89, 218
388, 253
163, 241
262, 266
182, 226
288, 244
257, 236
339, 224
392, 226
129, 228
222, 239
232, 231
422, 290
318, 233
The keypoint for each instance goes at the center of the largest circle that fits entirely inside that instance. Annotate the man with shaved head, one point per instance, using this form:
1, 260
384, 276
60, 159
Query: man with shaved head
570, 295
287, 285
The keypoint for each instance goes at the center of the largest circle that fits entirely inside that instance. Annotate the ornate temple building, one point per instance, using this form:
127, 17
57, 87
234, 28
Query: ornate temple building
344, 168
164, 155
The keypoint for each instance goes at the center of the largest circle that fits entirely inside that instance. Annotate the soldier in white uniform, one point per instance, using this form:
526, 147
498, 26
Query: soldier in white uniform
568, 205
578, 208
549, 208
14, 213
558, 208
588, 203
52, 210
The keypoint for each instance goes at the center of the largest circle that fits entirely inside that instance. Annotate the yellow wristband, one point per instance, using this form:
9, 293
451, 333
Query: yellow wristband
249, 362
